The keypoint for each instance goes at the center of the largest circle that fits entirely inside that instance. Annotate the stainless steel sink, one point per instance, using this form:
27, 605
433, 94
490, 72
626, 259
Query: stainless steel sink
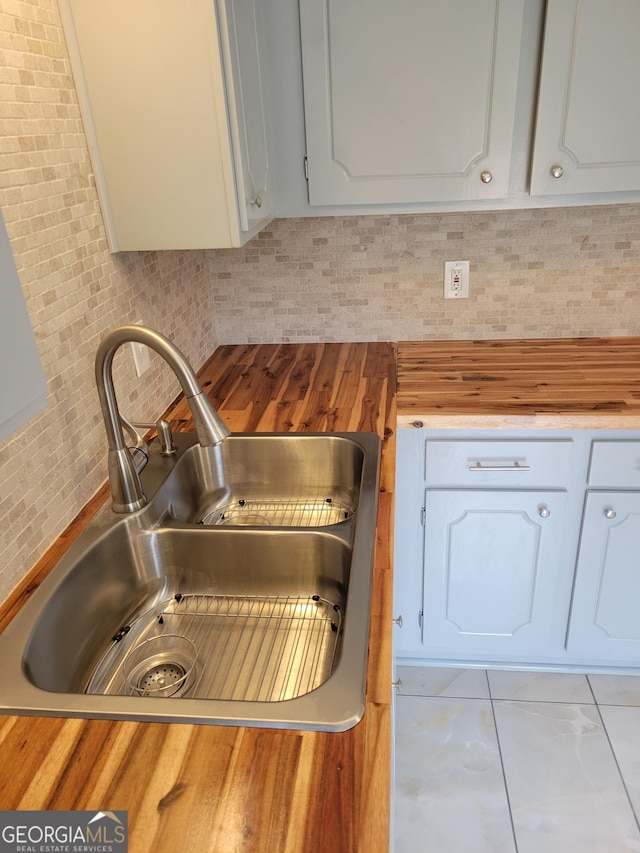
270, 480
240, 594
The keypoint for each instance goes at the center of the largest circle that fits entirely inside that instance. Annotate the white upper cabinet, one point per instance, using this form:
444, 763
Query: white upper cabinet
587, 137
246, 91
469, 104
409, 101
173, 107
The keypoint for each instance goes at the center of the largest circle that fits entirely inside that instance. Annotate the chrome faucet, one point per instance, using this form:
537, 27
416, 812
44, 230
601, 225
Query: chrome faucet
126, 488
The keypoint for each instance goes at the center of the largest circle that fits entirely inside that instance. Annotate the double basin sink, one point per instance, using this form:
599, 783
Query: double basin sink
240, 594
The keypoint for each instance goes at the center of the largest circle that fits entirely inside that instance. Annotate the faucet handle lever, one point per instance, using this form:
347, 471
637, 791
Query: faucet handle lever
139, 445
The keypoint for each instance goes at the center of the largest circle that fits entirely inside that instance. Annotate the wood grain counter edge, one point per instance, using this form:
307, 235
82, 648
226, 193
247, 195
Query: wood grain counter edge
427, 420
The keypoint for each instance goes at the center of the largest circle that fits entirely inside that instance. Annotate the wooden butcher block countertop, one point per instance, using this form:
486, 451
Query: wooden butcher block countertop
188, 788
559, 383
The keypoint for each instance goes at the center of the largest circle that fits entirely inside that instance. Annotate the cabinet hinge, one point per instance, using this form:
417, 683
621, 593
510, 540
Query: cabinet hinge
423, 515
306, 167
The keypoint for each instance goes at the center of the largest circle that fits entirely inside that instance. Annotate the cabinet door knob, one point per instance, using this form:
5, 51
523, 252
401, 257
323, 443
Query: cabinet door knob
257, 201
609, 512
396, 684
397, 621
557, 171
486, 177
544, 511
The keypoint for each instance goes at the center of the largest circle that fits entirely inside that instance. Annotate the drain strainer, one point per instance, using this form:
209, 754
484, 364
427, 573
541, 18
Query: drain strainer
159, 666
165, 677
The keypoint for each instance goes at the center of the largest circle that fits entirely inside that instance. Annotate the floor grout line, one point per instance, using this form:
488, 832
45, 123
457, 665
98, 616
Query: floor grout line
615, 758
504, 774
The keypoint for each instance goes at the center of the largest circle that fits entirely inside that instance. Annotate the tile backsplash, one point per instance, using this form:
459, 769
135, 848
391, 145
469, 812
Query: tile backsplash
533, 273
75, 290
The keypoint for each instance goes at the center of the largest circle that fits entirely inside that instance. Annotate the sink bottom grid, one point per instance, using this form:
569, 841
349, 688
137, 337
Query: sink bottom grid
251, 648
303, 512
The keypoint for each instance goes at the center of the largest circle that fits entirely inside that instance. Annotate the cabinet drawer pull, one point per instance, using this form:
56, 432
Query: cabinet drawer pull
609, 512
515, 467
397, 621
544, 511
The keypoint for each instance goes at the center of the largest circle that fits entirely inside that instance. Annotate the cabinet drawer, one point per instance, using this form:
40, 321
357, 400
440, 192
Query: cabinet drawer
521, 464
615, 463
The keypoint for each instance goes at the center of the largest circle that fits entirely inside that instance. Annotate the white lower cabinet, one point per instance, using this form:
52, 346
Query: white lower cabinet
605, 613
491, 566
518, 547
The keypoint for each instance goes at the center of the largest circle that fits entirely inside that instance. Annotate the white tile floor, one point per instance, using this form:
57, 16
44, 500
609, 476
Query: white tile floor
516, 762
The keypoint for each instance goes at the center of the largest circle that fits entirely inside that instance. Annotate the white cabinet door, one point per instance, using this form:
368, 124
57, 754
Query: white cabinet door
408, 539
605, 612
174, 126
410, 101
240, 40
492, 570
587, 135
